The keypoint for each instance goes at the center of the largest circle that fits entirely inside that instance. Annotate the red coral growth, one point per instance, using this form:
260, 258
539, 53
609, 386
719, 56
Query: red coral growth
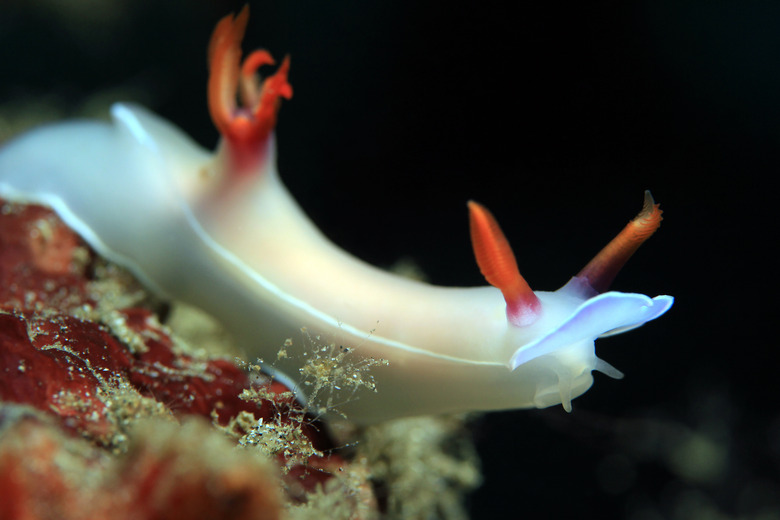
193, 473
42, 262
52, 378
61, 363
97, 370
28, 471
57, 362
170, 472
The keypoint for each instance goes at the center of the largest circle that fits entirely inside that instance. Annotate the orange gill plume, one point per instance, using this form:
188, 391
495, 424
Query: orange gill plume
246, 128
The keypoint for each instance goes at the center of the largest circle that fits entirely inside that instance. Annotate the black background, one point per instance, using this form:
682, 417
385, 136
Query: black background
556, 115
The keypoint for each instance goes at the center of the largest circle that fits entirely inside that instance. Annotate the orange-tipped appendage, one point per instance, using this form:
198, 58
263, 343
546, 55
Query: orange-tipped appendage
601, 271
498, 265
245, 128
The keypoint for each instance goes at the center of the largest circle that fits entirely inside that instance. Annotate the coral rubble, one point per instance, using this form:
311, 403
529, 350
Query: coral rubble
82, 346
104, 411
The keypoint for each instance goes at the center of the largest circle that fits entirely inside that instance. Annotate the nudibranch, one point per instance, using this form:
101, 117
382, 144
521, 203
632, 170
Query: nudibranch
220, 231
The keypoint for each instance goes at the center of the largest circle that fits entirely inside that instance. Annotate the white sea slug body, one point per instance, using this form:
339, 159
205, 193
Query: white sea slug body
221, 232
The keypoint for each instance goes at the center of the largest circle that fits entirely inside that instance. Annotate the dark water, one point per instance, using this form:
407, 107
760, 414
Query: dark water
556, 116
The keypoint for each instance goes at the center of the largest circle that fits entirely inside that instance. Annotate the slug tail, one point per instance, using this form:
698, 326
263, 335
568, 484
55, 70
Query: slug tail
601, 271
498, 265
246, 128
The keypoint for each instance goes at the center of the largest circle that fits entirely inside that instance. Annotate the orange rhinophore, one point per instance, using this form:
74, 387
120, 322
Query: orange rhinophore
601, 271
498, 265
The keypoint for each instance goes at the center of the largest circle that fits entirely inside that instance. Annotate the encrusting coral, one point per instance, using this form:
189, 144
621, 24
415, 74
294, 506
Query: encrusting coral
169, 471
80, 342
104, 411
